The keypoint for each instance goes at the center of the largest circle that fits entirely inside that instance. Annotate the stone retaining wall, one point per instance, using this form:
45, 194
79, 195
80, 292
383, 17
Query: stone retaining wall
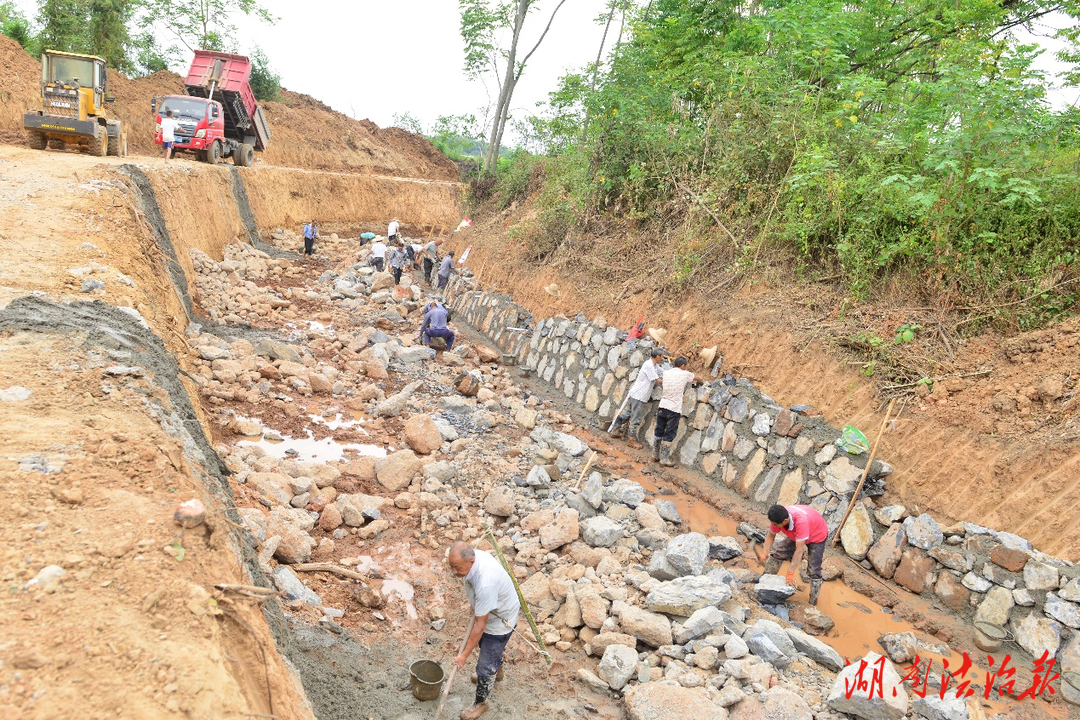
736, 435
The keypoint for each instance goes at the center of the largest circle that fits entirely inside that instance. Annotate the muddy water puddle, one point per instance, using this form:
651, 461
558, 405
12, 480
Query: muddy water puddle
859, 620
308, 449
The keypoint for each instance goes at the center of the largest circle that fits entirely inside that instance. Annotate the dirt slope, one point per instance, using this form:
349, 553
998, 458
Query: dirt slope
305, 132
1000, 448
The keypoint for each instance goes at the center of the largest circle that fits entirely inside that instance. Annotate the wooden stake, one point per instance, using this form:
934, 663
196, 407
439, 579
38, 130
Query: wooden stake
866, 471
521, 598
453, 669
585, 469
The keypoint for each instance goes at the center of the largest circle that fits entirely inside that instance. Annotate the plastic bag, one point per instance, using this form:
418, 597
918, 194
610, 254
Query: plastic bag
852, 441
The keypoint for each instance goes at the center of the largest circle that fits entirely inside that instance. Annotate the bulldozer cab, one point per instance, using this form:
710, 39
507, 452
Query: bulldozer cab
73, 85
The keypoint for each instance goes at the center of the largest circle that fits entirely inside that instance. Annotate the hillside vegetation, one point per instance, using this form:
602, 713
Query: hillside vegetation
903, 146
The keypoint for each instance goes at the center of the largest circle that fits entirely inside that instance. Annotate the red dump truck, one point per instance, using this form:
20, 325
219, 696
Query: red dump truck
218, 115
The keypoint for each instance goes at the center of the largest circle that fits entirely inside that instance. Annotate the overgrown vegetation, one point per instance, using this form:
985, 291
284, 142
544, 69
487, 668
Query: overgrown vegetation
869, 142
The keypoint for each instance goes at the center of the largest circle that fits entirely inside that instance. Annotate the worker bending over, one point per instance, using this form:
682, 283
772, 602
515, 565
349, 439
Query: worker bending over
803, 528
495, 608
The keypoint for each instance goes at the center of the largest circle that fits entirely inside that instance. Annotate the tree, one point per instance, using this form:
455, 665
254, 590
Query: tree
201, 24
481, 25
265, 83
108, 35
407, 121
64, 25
14, 25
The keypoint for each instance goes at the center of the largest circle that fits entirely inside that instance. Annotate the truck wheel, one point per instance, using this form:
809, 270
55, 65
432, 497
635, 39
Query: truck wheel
213, 153
99, 144
115, 146
37, 140
244, 155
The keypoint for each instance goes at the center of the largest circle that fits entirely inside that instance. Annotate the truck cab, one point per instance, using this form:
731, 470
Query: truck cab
200, 129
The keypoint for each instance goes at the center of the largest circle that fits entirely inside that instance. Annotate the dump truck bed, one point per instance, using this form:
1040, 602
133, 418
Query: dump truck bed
229, 76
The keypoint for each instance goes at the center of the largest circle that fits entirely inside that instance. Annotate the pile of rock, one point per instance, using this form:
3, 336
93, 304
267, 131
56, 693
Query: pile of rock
227, 290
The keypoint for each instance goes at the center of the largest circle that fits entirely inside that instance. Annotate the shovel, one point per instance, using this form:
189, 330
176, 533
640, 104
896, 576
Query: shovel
453, 670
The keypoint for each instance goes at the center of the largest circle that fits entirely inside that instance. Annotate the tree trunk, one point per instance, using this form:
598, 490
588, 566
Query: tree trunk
507, 89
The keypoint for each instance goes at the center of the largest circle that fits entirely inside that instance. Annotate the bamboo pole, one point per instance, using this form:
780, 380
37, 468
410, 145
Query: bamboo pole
585, 470
453, 668
521, 598
866, 471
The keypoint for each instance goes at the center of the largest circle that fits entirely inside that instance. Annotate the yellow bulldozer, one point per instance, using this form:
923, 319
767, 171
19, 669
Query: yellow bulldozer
73, 98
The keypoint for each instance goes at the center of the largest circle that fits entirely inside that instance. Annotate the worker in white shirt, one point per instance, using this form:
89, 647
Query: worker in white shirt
378, 254
674, 381
168, 133
391, 231
640, 393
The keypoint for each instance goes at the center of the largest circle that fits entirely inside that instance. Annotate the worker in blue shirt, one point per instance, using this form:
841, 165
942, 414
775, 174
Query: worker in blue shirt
434, 325
311, 231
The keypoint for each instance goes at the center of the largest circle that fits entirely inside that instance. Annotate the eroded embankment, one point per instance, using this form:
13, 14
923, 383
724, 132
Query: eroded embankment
969, 452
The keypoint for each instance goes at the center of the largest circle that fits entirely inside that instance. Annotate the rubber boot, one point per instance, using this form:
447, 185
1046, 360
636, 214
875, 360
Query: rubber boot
656, 450
631, 442
772, 566
618, 432
665, 455
815, 588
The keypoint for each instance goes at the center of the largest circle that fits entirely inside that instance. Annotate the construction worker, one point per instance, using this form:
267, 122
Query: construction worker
640, 393
378, 254
431, 257
495, 608
392, 231
803, 528
168, 133
396, 262
674, 381
446, 268
434, 325
311, 232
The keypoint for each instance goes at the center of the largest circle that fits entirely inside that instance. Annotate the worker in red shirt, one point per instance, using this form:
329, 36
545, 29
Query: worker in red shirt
802, 527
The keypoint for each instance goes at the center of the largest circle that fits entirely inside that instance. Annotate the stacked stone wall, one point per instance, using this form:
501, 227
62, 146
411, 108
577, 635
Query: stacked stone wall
736, 435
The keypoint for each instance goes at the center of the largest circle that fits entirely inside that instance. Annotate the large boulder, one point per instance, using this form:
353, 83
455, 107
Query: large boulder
887, 551
648, 627
626, 492
567, 444
820, 652
858, 532
933, 707
601, 531
661, 701
688, 553
773, 590
1036, 634
278, 351
849, 695
683, 596
923, 532
618, 665
422, 434
395, 471
702, 622
500, 501
561, 531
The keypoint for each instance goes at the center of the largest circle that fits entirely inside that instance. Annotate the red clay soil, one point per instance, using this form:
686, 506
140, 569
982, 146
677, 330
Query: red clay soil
305, 132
